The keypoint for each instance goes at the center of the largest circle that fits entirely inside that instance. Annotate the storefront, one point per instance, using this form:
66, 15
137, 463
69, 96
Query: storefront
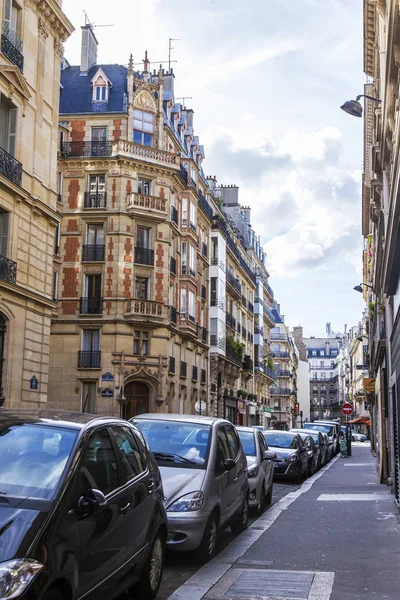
252, 413
241, 412
230, 409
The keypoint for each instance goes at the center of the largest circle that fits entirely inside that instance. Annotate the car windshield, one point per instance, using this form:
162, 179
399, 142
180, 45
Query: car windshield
277, 440
325, 428
33, 458
176, 443
248, 443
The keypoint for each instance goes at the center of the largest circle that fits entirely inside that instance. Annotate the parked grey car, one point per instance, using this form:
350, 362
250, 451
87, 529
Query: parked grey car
260, 466
204, 474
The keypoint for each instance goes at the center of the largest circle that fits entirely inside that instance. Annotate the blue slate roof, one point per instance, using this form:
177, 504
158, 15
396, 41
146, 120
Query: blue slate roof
76, 95
276, 315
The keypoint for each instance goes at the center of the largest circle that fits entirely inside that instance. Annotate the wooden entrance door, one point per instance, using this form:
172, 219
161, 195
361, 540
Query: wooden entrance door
137, 399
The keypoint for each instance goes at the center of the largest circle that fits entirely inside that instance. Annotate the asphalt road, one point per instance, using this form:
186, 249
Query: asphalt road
179, 567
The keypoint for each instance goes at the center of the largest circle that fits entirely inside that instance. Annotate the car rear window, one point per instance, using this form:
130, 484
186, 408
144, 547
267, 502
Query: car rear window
33, 458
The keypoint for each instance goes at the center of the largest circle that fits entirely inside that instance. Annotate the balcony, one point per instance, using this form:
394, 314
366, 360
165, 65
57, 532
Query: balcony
281, 354
203, 376
284, 373
89, 359
213, 339
234, 357
173, 315
183, 174
250, 306
244, 332
218, 263
172, 265
8, 270
234, 283
95, 200
154, 155
279, 336
230, 321
10, 167
278, 391
203, 292
194, 373
250, 337
174, 215
11, 47
91, 306
183, 370
85, 149
204, 335
259, 331
205, 206
144, 256
145, 311
204, 250
93, 253
171, 365
140, 205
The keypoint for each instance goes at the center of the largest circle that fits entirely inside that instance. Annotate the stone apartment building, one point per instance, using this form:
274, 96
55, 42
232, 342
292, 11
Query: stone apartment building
31, 50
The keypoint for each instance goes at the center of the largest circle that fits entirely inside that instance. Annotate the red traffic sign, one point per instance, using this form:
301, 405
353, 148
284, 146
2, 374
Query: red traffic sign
347, 408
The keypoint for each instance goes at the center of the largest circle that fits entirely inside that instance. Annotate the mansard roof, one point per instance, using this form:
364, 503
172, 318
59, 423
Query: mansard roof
76, 94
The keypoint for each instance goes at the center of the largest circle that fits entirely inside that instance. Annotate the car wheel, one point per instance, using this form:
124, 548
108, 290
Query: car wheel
268, 497
53, 594
241, 520
208, 544
299, 475
150, 579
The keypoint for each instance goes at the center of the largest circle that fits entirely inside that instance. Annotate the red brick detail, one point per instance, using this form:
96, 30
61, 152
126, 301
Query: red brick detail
162, 193
110, 249
109, 280
77, 131
160, 235
72, 225
127, 283
70, 283
128, 250
129, 186
128, 229
72, 246
160, 254
117, 129
73, 190
69, 308
114, 196
159, 287
108, 307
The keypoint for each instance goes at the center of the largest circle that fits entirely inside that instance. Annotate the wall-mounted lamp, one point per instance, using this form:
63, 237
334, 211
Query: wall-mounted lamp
354, 108
359, 288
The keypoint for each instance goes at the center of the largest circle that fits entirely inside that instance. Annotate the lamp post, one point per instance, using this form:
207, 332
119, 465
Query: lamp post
358, 288
354, 108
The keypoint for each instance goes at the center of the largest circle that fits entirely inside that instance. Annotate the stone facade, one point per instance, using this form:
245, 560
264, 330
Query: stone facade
30, 56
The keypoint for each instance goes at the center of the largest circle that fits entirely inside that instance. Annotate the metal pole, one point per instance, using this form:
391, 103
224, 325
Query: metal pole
348, 436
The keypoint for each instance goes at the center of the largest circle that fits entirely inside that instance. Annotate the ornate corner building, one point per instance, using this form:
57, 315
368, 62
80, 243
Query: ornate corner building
32, 35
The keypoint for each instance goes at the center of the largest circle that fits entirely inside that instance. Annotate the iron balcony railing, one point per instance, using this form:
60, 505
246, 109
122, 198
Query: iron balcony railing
278, 391
259, 331
173, 314
171, 365
204, 250
89, 359
8, 270
230, 321
281, 354
250, 337
10, 167
244, 332
250, 306
203, 292
233, 356
91, 306
233, 281
144, 256
213, 339
278, 336
83, 149
95, 200
284, 373
184, 174
203, 376
174, 215
232, 245
172, 265
93, 253
183, 369
11, 46
194, 373
205, 206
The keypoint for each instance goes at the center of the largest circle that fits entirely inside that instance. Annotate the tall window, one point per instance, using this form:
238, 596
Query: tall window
89, 397
192, 260
184, 212
143, 127
141, 342
55, 285
214, 293
99, 134
183, 307
4, 228
143, 237
57, 240
8, 125
184, 257
192, 316
93, 286
95, 234
192, 214
144, 186
91, 340
141, 288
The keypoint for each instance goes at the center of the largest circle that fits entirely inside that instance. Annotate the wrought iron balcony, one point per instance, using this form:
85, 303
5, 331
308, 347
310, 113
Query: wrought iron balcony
278, 336
259, 331
230, 321
183, 369
143, 205
203, 376
281, 354
194, 373
278, 391
95, 200
144, 256
250, 337
233, 282
10, 167
234, 357
94, 253
184, 174
92, 149
205, 206
8, 270
91, 306
174, 215
172, 265
284, 373
171, 365
11, 47
89, 359
250, 306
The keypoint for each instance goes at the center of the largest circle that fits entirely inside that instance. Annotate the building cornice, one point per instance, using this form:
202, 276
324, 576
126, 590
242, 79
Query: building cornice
369, 36
35, 204
54, 19
27, 294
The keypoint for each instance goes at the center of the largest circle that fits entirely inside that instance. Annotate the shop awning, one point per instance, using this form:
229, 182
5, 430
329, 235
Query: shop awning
360, 421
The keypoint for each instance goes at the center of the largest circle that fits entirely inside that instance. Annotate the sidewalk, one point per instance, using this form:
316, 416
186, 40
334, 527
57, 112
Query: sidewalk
336, 538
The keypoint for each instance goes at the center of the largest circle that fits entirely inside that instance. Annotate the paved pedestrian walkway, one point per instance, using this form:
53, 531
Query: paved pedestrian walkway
336, 538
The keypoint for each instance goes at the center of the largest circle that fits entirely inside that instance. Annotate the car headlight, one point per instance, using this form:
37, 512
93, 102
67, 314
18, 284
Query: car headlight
252, 471
292, 458
16, 575
187, 503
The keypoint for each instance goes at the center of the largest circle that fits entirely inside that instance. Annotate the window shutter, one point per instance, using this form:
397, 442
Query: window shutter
12, 130
4, 226
7, 12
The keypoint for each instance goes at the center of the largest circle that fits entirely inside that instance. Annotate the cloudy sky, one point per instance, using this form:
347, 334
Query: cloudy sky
267, 78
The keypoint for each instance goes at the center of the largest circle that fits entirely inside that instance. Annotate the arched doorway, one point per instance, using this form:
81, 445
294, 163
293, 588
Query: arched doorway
137, 399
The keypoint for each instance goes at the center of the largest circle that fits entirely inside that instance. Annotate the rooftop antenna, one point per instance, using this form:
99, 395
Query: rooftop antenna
184, 98
170, 47
88, 22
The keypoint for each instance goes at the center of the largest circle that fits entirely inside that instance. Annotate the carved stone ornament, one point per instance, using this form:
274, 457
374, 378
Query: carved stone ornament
144, 100
43, 31
142, 272
58, 49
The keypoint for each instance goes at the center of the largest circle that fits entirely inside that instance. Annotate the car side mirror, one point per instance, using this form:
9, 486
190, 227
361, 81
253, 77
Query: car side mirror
93, 500
268, 455
229, 464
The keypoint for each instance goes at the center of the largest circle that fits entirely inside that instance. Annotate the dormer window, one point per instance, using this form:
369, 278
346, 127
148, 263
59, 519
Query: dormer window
143, 127
101, 87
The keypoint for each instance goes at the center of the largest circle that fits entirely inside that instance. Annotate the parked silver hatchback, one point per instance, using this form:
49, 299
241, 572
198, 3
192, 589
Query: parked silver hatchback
204, 474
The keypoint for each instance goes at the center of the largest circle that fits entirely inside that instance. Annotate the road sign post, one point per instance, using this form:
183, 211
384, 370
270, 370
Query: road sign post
347, 409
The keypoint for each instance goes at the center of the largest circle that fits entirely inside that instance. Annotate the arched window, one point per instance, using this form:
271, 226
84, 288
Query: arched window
3, 329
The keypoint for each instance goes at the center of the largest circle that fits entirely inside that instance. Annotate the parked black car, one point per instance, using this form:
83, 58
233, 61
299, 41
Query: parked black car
81, 508
321, 444
312, 450
292, 458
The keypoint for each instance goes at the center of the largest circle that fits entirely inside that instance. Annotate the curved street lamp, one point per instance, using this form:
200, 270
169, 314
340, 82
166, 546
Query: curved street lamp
359, 288
354, 108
